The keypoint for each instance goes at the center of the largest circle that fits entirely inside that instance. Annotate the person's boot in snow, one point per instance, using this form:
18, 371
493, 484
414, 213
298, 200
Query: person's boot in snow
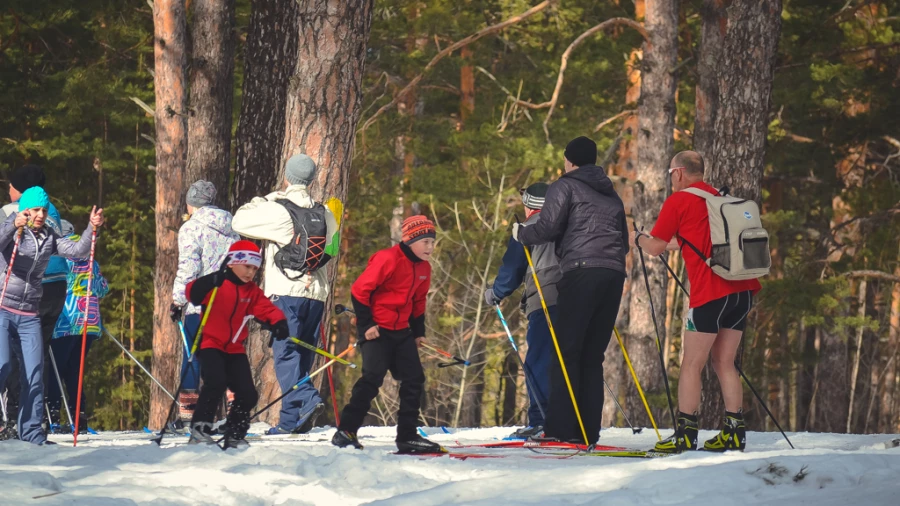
733, 435
9, 431
235, 441
310, 421
418, 444
685, 437
343, 439
201, 432
528, 432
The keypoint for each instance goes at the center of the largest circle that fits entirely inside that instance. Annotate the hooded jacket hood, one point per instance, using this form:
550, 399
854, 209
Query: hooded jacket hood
595, 177
214, 218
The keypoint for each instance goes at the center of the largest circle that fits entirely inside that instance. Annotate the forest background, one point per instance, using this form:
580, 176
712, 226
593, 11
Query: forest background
447, 108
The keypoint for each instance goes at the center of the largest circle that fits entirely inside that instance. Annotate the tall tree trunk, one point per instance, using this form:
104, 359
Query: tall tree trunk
832, 399
656, 118
737, 66
212, 94
270, 57
890, 421
171, 154
322, 108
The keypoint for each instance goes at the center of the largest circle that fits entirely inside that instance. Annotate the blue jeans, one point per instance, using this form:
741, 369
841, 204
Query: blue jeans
190, 371
292, 363
21, 336
537, 363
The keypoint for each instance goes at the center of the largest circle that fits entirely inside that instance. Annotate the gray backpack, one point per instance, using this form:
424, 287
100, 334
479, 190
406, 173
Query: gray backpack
740, 244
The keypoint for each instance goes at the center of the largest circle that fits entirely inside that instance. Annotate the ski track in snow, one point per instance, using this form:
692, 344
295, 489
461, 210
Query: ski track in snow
123, 468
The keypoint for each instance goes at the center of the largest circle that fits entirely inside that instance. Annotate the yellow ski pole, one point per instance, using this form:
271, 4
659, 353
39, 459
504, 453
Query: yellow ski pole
636, 382
322, 352
555, 343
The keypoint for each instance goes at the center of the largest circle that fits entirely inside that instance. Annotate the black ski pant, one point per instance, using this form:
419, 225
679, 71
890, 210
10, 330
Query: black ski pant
393, 351
220, 370
586, 314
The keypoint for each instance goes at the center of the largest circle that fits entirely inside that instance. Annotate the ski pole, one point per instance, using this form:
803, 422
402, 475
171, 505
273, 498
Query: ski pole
662, 361
334, 403
87, 309
637, 382
12, 258
187, 347
139, 364
303, 380
322, 352
562, 363
615, 400
62, 388
457, 360
741, 371
529, 381
197, 339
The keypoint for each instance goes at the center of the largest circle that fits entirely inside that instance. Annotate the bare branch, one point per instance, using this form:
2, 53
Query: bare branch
490, 30
873, 274
565, 60
623, 114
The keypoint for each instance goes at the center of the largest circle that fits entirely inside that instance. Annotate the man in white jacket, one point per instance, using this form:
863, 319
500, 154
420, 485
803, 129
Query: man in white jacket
302, 301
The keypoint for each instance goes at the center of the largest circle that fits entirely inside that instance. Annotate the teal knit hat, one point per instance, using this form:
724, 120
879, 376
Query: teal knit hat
34, 197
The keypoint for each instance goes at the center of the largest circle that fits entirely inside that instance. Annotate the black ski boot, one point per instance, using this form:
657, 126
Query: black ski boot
685, 437
310, 421
529, 432
418, 444
8, 431
733, 435
201, 433
234, 441
345, 438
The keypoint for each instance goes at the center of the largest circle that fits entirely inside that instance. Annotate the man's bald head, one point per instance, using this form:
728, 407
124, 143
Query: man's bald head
690, 160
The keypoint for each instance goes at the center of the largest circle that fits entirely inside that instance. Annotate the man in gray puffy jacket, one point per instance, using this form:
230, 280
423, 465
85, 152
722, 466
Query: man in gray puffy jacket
585, 218
20, 326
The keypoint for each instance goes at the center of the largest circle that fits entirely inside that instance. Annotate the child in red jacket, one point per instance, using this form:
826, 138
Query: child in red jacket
389, 301
222, 355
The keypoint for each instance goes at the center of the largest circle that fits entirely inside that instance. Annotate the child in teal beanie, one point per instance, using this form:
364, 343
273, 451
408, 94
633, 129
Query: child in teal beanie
34, 241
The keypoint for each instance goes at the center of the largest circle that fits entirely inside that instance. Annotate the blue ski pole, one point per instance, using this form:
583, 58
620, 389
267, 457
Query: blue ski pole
528, 379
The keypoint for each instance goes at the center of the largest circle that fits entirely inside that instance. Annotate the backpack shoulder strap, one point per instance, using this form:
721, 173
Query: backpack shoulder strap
700, 193
292, 210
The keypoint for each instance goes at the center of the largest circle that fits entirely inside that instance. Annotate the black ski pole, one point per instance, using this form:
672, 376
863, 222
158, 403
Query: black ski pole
741, 371
662, 361
613, 395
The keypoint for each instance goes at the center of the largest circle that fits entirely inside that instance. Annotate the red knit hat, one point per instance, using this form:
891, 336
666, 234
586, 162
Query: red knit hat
244, 253
417, 227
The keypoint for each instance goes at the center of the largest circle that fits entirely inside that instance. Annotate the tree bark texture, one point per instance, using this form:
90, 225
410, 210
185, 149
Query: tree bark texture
270, 57
832, 398
170, 60
745, 72
712, 31
321, 110
656, 121
212, 94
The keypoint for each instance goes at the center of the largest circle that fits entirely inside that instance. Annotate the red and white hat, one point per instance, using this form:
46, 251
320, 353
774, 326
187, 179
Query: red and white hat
244, 253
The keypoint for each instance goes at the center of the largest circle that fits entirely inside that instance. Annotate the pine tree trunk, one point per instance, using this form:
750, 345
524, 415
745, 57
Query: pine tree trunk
890, 421
737, 65
212, 94
656, 118
171, 156
270, 56
322, 101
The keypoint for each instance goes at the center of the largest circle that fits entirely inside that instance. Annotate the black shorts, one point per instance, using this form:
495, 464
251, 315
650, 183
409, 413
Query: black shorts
729, 312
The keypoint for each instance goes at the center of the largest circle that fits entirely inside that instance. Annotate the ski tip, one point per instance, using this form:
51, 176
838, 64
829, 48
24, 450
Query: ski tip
92, 431
446, 430
422, 432
148, 431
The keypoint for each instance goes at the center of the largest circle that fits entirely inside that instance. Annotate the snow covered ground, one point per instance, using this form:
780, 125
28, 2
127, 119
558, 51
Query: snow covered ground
124, 468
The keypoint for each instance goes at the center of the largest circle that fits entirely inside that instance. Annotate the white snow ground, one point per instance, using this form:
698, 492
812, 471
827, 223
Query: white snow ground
124, 468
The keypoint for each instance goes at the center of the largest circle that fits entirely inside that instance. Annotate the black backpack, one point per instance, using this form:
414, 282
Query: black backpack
306, 251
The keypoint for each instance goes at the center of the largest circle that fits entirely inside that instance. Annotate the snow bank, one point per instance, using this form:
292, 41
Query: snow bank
124, 468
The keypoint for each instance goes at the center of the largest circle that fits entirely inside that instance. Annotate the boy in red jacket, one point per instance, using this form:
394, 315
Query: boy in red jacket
389, 301
222, 354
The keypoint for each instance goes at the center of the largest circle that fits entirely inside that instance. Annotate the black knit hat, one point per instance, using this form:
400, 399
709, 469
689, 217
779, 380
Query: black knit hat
27, 176
581, 151
533, 196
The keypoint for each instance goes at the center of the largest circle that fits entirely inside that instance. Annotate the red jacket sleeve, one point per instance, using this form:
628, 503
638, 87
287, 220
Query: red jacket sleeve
380, 268
263, 309
420, 296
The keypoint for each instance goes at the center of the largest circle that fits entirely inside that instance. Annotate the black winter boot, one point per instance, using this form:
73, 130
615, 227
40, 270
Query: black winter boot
344, 438
418, 444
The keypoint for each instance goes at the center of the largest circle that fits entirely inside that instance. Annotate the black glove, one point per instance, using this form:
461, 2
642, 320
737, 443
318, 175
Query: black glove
280, 330
218, 277
175, 312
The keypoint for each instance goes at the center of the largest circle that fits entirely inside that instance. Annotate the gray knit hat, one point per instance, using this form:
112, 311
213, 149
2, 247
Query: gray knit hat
533, 196
201, 193
300, 169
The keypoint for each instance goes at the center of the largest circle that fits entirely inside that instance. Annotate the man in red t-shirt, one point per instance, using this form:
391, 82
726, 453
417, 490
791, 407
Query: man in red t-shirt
718, 309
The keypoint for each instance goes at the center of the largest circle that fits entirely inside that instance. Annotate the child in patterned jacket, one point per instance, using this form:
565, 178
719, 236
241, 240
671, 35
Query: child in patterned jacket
67, 335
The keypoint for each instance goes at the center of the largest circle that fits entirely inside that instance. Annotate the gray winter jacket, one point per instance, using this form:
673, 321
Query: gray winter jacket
585, 217
515, 270
203, 242
24, 291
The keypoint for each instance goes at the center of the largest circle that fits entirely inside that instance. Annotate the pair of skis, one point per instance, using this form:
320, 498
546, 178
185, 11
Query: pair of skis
541, 450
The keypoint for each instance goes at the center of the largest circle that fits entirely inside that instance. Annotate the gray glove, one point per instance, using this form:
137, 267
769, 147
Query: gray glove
490, 298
